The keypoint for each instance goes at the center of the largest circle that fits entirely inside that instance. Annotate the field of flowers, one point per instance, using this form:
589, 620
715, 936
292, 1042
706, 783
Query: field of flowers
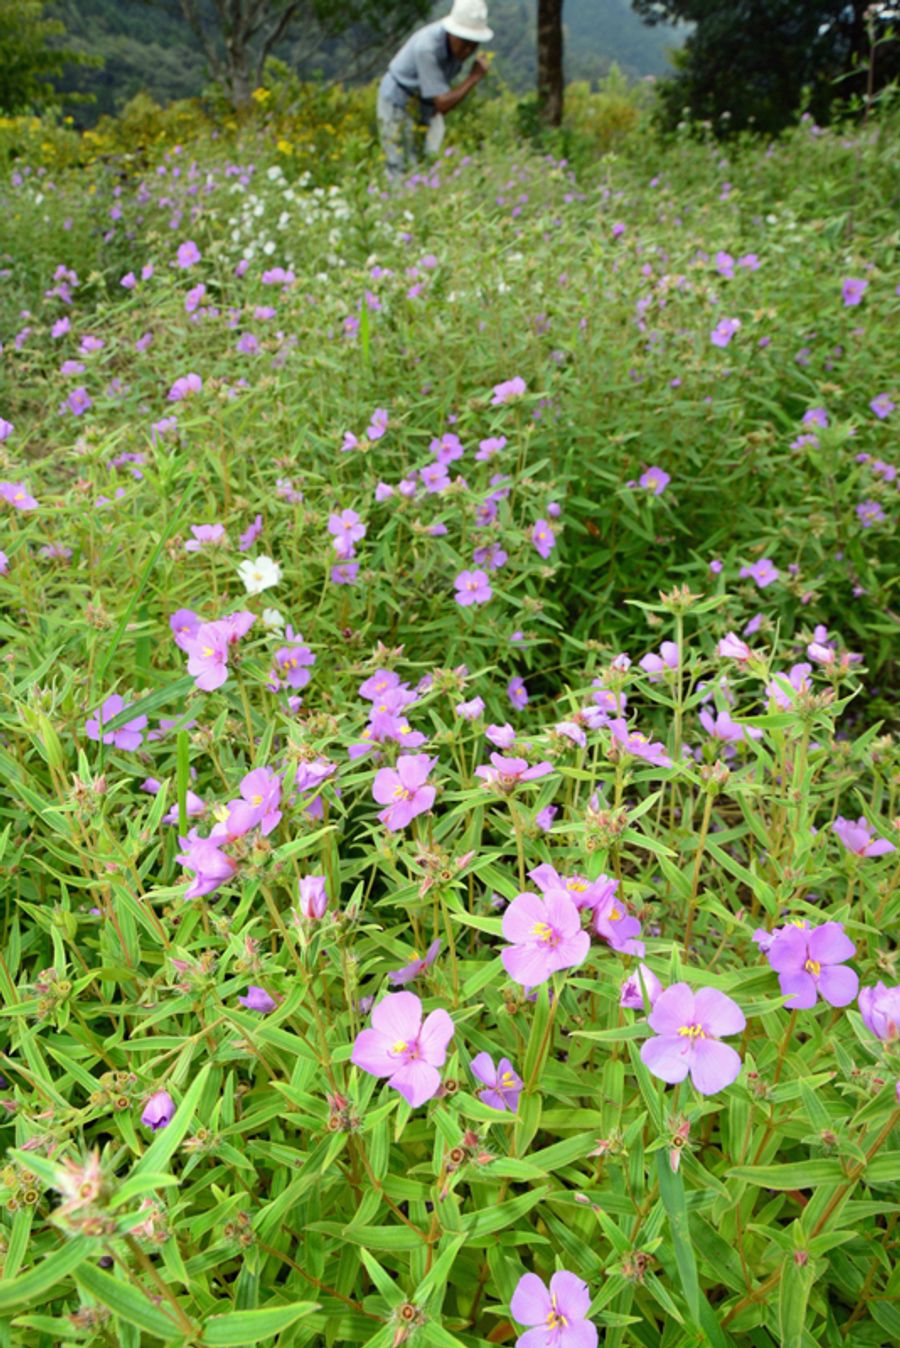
448, 829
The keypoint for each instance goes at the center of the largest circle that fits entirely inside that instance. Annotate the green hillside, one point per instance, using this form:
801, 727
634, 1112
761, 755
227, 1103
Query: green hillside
148, 46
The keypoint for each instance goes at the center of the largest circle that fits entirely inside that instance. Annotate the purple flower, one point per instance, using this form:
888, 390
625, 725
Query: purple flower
345, 573
184, 623
688, 1026
259, 806
722, 727
558, 1317
210, 865
633, 742
810, 963
404, 790
346, 529
17, 495
399, 977
503, 1084
250, 534
128, 736
194, 298
797, 677
403, 1049
203, 535
642, 983
313, 897
724, 330
505, 392
78, 401
545, 817
763, 572
584, 893
378, 425
379, 683
882, 406
257, 999
184, 387
613, 923
291, 668
654, 480
489, 447
880, 1010
857, 838
470, 711
505, 774
731, 647
207, 652
656, 665
869, 513
158, 1111
447, 449
545, 936
188, 255
434, 478
852, 291
472, 587
504, 736
517, 693
543, 538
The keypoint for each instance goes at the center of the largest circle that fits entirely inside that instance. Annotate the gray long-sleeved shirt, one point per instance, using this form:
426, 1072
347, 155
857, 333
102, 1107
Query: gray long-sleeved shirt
423, 67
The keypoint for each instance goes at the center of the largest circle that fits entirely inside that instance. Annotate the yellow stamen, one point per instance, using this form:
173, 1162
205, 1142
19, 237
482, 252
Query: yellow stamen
556, 1319
813, 967
692, 1032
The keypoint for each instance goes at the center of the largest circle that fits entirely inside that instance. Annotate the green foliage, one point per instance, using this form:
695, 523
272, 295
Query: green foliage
148, 48
757, 63
293, 1198
30, 56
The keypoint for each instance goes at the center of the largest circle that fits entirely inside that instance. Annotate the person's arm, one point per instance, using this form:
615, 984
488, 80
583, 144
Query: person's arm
444, 102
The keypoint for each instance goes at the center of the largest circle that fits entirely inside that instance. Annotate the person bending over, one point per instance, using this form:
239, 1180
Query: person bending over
416, 89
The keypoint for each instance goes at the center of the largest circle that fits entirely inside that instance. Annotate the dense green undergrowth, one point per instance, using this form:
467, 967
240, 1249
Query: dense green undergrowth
368, 562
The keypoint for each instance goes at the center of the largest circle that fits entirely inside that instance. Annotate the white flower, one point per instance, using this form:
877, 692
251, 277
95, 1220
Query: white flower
272, 620
259, 575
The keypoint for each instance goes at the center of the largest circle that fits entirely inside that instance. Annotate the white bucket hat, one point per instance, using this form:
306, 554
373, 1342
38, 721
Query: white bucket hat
468, 20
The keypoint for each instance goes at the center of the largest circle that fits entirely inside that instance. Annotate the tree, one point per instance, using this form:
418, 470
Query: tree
238, 35
550, 81
754, 63
28, 57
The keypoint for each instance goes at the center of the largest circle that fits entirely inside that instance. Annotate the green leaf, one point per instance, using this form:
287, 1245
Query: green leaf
240, 1328
138, 1185
433, 1287
132, 1305
174, 691
173, 519
392, 1294
504, 1214
793, 1295
671, 1189
32, 1285
807, 1175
